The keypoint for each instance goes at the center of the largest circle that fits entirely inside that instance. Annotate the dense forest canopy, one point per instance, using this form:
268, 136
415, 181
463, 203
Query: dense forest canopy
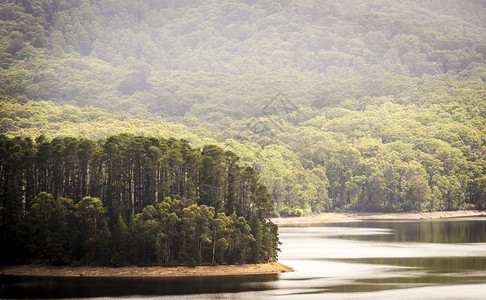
363, 105
131, 200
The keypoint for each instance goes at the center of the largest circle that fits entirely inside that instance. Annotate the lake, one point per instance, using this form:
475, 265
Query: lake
433, 259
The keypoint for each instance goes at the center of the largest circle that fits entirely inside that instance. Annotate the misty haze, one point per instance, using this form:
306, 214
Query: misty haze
179, 133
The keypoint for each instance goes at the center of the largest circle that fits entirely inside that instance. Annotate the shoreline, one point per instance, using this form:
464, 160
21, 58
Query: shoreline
226, 270
153, 272
324, 218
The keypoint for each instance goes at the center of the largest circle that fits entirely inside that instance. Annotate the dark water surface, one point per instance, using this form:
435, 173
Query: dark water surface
89, 287
440, 259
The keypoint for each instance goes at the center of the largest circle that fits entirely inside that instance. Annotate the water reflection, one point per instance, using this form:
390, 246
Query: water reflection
32, 287
460, 230
432, 264
373, 259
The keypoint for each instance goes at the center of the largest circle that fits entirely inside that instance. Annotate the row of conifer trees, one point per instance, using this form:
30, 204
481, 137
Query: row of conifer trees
130, 200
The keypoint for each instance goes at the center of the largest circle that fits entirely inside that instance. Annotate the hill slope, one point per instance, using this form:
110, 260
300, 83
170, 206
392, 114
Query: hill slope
368, 105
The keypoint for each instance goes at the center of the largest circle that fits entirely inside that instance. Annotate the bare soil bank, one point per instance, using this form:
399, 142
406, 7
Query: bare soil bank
353, 217
90, 271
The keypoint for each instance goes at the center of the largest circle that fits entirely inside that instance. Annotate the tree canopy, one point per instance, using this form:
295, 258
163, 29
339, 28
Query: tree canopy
363, 105
131, 200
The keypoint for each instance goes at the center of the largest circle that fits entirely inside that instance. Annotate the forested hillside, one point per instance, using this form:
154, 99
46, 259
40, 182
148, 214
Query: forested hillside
363, 105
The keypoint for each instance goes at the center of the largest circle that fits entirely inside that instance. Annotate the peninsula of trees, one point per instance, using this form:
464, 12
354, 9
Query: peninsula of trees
128, 200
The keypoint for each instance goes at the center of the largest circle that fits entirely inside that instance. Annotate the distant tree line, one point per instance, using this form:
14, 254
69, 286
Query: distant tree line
130, 200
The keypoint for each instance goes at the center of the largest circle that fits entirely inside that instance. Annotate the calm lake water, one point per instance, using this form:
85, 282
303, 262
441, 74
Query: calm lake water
440, 259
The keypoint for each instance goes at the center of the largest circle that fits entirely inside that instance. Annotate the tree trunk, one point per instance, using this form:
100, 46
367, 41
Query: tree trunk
214, 247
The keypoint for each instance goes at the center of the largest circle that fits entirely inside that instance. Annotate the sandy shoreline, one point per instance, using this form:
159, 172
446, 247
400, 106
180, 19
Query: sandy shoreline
162, 272
353, 217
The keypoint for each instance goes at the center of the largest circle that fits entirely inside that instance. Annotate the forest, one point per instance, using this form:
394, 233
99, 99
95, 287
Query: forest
130, 200
337, 105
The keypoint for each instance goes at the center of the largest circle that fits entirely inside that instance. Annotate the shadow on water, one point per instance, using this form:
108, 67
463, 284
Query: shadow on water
432, 264
29, 287
390, 283
418, 271
458, 230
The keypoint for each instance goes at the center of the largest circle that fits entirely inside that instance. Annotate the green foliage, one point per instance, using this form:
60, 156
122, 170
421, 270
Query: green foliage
177, 60
387, 95
132, 203
292, 212
48, 222
90, 214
